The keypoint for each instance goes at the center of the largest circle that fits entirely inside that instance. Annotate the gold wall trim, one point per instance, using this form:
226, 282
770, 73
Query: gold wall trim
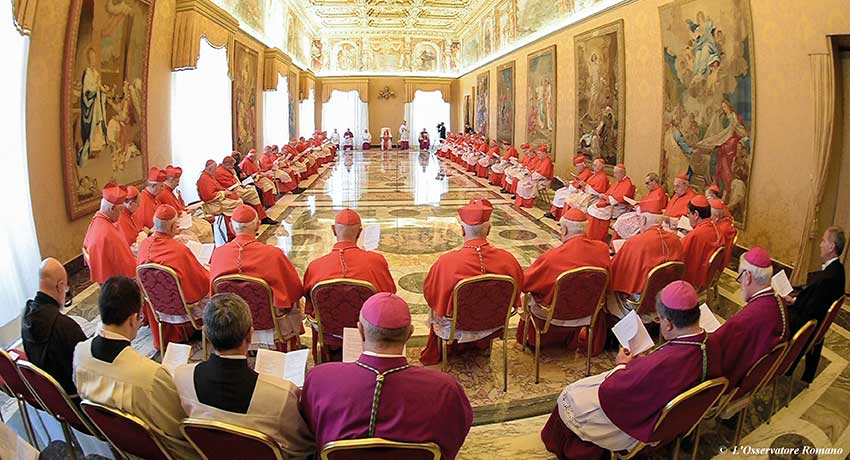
196, 19
275, 63
443, 85
345, 84
307, 81
24, 15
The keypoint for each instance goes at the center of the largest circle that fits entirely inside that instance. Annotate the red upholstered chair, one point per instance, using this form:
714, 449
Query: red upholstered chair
379, 449
799, 343
680, 417
219, 441
13, 385
127, 433
715, 269
579, 293
56, 402
258, 295
336, 305
660, 276
163, 292
480, 303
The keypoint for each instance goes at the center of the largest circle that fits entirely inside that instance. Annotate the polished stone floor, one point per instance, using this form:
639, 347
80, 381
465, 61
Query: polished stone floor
414, 197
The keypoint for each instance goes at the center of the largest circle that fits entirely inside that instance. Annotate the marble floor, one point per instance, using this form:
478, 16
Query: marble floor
413, 197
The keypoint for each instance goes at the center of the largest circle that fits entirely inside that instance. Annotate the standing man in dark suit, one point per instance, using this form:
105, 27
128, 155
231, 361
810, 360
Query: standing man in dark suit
825, 287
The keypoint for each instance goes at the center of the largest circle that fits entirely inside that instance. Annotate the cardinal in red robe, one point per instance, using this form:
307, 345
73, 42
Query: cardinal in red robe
599, 219
476, 257
161, 248
621, 189
127, 224
225, 174
577, 250
760, 325
265, 186
726, 227
540, 176
148, 198
108, 252
640, 254
414, 404
677, 206
699, 243
167, 195
615, 410
346, 260
581, 176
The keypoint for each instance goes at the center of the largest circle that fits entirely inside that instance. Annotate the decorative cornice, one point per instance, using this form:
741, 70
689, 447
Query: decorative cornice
210, 10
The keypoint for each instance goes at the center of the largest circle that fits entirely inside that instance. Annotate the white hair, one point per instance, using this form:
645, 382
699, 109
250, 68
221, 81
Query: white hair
106, 206
651, 219
760, 275
479, 230
163, 225
573, 227
718, 212
244, 227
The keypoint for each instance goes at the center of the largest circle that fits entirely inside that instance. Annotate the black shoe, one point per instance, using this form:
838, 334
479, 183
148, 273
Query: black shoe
298, 191
268, 221
504, 191
549, 215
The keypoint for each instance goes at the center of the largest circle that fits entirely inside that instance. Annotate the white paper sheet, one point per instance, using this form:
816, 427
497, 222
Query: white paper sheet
684, 224
232, 187
618, 244
248, 180
190, 208
630, 201
707, 320
370, 238
185, 221
89, 327
290, 366
632, 334
352, 344
176, 354
296, 366
781, 284
202, 251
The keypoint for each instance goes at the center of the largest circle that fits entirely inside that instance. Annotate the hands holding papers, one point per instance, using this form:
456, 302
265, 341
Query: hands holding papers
781, 284
630, 201
684, 224
632, 334
707, 321
288, 366
202, 251
370, 238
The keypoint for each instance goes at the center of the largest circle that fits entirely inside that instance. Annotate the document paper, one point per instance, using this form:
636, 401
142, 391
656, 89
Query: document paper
707, 320
370, 238
202, 251
176, 354
781, 284
289, 366
632, 334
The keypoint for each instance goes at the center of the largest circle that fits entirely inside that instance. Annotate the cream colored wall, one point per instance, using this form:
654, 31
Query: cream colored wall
57, 235
783, 39
385, 112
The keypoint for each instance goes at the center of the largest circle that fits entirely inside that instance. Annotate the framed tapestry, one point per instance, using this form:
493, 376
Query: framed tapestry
601, 93
104, 99
709, 97
292, 79
245, 98
505, 106
541, 97
467, 106
482, 104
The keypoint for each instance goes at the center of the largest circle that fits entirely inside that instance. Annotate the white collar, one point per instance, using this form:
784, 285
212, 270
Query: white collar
689, 335
113, 335
232, 356
382, 355
826, 264
755, 294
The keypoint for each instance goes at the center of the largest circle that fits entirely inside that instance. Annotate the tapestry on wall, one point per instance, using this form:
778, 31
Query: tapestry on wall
293, 97
104, 99
541, 97
245, 99
600, 93
505, 106
709, 97
482, 104
467, 113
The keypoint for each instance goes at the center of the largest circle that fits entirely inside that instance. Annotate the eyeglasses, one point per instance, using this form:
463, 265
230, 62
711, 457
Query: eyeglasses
740, 274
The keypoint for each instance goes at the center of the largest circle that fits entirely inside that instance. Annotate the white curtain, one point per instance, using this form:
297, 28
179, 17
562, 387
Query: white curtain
344, 111
307, 116
427, 109
19, 250
201, 121
276, 114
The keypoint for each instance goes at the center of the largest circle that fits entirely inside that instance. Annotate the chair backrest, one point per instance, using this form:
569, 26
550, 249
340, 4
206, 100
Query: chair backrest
128, 433
681, 415
797, 346
255, 292
379, 449
52, 397
13, 380
826, 322
715, 267
482, 302
760, 372
661, 275
337, 303
162, 289
578, 293
219, 441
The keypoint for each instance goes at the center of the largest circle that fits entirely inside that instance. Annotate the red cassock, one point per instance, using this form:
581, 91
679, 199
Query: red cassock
455, 266
727, 230
227, 179
249, 168
545, 168
620, 189
633, 397
247, 256
583, 176
109, 253
167, 196
162, 249
147, 207
654, 201
599, 181
128, 227
539, 280
639, 255
416, 404
208, 187
677, 206
752, 332
698, 246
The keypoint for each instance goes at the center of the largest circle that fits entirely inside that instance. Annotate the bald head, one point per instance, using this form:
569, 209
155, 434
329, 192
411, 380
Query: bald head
52, 279
347, 232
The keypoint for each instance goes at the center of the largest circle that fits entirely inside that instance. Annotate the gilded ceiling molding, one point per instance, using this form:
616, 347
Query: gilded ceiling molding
345, 84
24, 15
198, 19
443, 85
275, 63
307, 82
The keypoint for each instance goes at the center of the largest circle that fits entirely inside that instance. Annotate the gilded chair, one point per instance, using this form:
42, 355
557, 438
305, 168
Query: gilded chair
258, 295
218, 441
679, 418
798, 345
164, 294
660, 276
482, 303
579, 293
818, 336
14, 386
715, 269
128, 434
379, 449
336, 305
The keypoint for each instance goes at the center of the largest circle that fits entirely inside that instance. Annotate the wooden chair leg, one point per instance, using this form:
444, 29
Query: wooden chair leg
27, 421
536, 355
697, 435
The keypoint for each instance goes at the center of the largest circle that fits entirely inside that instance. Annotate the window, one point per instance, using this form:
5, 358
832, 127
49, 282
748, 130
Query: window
18, 241
426, 110
276, 114
307, 116
344, 111
200, 123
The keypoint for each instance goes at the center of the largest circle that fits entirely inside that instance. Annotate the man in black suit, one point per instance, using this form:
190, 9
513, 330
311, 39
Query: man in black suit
825, 287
